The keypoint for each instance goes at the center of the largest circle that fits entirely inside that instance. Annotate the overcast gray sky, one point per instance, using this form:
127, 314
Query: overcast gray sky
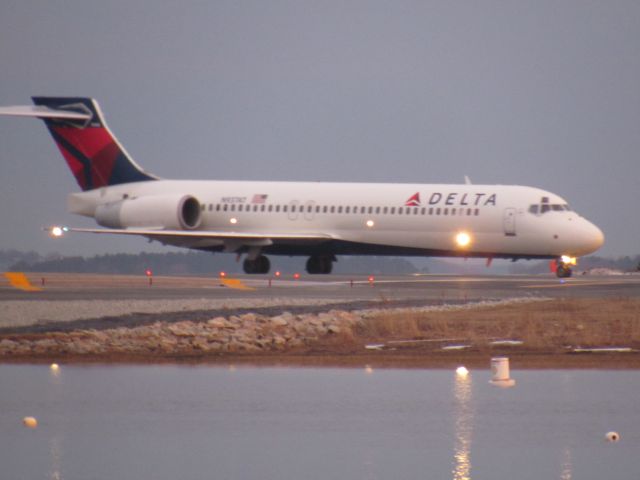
543, 93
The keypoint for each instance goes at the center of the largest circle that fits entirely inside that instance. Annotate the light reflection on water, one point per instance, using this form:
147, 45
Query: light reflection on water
166, 422
463, 415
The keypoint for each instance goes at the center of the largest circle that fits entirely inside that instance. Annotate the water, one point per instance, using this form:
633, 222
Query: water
168, 422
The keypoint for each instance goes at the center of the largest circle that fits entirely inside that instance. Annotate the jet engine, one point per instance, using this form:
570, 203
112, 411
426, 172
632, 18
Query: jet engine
171, 212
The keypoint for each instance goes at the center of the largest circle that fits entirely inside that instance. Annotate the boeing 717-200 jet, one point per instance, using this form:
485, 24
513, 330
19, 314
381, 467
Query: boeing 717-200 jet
319, 220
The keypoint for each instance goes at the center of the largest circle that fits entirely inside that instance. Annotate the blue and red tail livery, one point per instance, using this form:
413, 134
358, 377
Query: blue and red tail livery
93, 154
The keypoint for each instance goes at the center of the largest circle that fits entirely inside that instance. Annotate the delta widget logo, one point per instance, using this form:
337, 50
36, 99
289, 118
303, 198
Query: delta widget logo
413, 201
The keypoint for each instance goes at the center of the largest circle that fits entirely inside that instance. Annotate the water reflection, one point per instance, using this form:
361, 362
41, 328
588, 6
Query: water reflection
463, 426
55, 451
566, 464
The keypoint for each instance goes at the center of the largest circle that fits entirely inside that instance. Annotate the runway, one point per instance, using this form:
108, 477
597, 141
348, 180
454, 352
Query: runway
385, 288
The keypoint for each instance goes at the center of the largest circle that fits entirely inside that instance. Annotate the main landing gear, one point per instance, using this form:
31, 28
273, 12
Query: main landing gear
260, 264
320, 264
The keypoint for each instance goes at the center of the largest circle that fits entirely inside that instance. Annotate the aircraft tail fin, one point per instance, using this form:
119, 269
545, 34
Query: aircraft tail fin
92, 152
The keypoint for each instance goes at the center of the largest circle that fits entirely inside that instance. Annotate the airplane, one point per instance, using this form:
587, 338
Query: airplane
320, 220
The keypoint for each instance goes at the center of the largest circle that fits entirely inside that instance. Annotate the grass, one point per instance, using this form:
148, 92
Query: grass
548, 325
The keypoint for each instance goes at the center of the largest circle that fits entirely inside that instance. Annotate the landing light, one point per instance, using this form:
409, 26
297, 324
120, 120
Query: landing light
463, 239
567, 260
57, 231
233, 220
370, 223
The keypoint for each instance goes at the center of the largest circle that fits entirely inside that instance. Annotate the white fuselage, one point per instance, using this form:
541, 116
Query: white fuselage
367, 218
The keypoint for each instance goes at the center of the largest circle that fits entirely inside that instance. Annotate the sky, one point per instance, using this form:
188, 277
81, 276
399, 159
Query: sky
542, 93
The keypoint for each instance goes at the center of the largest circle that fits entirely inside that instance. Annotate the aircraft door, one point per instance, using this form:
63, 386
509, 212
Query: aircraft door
509, 222
294, 206
309, 210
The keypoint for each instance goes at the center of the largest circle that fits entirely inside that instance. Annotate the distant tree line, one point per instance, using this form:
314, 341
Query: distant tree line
624, 264
203, 263
187, 263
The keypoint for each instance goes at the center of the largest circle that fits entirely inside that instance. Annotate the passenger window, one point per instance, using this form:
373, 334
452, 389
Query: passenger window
285, 208
362, 210
332, 209
340, 209
377, 210
270, 208
233, 207
277, 208
393, 210
225, 207
423, 211
262, 208
437, 211
347, 209
477, 212
217, 207
385, 210
446, 211
324, 209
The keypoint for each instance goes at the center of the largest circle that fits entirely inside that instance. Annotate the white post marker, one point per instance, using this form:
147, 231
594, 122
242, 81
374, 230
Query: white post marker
500, 372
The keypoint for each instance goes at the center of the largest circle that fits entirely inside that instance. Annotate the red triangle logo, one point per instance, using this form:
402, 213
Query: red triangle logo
414, 200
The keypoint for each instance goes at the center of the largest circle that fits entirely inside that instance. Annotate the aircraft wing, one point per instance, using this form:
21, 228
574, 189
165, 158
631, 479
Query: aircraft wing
231, 241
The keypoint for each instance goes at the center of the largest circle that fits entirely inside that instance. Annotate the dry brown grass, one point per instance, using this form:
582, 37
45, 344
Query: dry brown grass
548, 325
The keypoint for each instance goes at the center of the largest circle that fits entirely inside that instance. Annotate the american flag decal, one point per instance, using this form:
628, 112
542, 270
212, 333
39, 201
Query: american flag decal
259, 198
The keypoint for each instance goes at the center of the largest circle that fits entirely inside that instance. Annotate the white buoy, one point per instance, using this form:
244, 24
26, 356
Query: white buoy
500, 372
30, 422
462, 371
612, 436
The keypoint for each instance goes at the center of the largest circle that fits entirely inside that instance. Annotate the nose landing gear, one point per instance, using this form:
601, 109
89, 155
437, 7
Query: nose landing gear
563, 266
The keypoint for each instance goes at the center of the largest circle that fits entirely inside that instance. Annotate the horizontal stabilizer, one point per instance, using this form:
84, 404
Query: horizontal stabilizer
39, 111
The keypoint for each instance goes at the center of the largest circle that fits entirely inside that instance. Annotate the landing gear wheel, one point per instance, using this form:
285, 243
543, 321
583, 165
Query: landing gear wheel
260, 264
563, 271
319, 264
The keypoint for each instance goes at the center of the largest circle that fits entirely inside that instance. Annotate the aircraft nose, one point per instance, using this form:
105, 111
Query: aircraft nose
594, 238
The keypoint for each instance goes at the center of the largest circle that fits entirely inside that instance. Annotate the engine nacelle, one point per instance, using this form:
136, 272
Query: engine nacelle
172, 212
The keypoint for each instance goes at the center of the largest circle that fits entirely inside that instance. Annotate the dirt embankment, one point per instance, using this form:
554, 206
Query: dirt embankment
533, 333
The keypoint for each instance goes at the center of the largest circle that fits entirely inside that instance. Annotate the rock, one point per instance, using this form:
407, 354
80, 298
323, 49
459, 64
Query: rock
279, 321
218, 322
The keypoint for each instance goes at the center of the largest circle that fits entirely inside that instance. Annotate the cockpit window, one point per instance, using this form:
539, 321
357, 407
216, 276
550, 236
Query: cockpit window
544, 206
